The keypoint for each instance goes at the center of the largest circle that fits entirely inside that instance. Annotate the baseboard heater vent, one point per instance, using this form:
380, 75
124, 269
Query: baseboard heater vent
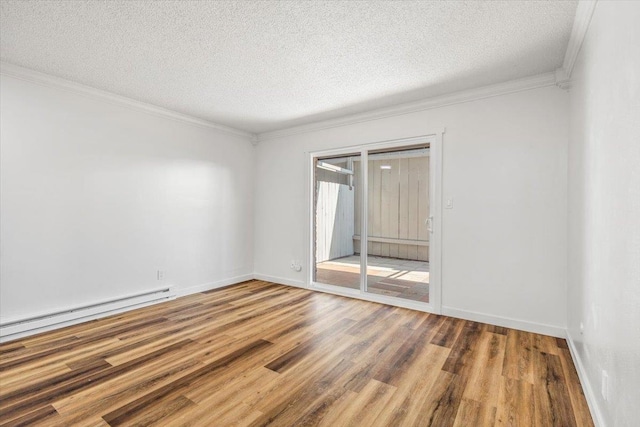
11, 328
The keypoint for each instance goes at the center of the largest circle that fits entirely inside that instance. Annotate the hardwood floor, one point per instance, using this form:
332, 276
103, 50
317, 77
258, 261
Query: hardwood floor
264, 354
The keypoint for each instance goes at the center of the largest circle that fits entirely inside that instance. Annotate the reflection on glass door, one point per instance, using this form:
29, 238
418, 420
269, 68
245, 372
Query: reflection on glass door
335, 258
398, 222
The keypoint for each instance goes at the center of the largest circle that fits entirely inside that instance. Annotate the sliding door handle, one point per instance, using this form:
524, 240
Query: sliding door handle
429, 222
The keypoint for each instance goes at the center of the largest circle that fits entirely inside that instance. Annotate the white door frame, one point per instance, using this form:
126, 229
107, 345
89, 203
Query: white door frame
435, 239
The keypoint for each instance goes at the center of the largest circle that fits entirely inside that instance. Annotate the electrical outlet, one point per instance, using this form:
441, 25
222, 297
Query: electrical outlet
581, 328
295, 266
160, 275
604, 389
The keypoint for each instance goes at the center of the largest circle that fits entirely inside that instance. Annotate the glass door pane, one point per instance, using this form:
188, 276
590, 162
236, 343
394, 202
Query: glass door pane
337, 257
398, 223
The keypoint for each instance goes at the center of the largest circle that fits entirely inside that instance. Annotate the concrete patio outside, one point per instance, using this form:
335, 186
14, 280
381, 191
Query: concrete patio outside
394, 277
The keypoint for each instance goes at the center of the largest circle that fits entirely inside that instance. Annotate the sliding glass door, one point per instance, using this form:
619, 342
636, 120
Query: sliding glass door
373, 211
398, 221
336, 261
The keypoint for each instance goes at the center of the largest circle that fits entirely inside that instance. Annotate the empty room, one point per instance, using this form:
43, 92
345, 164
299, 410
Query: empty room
331, 213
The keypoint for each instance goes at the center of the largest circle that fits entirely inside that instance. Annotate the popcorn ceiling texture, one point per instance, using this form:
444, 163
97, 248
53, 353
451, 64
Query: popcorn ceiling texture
261, 66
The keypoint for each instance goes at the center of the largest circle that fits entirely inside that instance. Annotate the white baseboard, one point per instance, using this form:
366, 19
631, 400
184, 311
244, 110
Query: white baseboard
280, 280
539, 328
523, 325
57, 320
213, 285
587, 388
62, 320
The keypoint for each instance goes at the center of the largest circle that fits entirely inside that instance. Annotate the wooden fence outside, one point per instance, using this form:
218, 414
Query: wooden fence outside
398, 207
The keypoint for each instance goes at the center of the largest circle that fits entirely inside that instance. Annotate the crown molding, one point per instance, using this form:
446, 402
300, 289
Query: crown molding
512, 86
581, 22
563, 81
37, 77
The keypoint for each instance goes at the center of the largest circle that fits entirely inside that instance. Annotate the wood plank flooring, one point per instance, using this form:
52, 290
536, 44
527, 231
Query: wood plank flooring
263, 354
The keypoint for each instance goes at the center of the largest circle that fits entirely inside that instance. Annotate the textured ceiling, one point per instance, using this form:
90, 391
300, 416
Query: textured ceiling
261, 66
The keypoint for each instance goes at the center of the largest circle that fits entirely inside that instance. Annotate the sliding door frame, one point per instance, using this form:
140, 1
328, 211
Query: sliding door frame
435, 239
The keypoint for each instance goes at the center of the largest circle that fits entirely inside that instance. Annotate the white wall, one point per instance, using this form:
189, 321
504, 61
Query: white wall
604, 209
505, 165
96, 197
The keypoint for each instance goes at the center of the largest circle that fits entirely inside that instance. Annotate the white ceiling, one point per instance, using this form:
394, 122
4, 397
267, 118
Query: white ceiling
261, 66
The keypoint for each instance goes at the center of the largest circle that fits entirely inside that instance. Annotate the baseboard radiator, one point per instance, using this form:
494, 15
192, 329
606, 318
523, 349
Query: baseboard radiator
12, 328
